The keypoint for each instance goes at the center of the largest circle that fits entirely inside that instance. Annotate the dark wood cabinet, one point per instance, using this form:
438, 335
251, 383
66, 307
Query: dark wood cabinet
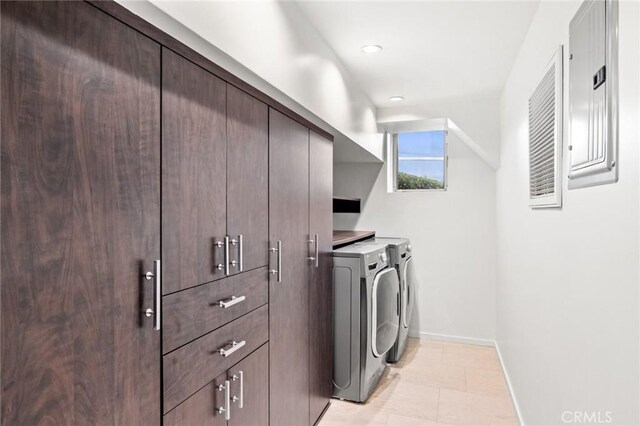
249, 381
321, 284
119, 147
201, 408
289, 287
192, 313
194, 365
215, 177
80, 212
247, 399
194, 173
247, 179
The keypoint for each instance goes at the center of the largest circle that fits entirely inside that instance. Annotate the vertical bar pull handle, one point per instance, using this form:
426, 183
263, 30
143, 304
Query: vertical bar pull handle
226, 408
317, 256
240, 400
156, 275
226, 256
278, 250
279, 261
240, 253
314, 258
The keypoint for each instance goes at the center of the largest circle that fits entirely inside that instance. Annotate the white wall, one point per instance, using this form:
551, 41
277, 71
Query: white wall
568, 280
478, 115
453, 234
272, 46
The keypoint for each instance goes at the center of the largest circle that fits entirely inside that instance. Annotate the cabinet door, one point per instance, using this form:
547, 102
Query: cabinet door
289, 297
193, 173
80, 217
320, 297
247, 178
201, 408
250, 385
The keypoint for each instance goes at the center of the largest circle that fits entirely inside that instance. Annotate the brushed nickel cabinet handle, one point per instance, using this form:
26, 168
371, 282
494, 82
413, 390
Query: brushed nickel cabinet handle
278, 250
225, 245
226, 408
317, 244
240, 253
315, 258
240, 400
233, 300
240, 262
235, 263
225, 352
226, 256
156, 275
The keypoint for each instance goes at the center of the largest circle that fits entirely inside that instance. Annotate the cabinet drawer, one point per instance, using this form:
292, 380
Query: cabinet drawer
192, 313
201, 408
192, 366
249, 384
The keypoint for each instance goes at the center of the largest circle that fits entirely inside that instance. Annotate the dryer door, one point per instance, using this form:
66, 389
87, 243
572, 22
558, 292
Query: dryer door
385, 318
408, 293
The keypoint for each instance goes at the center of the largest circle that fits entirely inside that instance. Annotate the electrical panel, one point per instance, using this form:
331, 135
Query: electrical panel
593, 94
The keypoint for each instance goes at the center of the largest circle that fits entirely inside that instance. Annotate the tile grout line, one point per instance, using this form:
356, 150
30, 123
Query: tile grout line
438, 406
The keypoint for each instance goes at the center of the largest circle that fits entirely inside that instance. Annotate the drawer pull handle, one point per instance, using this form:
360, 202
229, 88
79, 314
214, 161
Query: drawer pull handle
233, 300
234, 347
226, 409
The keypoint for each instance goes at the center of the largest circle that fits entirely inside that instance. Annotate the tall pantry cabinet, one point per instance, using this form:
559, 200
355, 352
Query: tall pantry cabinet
80, 212
166, 229
300, 229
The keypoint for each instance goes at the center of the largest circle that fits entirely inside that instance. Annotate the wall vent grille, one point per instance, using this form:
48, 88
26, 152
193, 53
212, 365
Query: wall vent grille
545, 137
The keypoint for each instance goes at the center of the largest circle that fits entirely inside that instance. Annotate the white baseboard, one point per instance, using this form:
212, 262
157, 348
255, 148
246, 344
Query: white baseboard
514, 400
453, 339
474, 341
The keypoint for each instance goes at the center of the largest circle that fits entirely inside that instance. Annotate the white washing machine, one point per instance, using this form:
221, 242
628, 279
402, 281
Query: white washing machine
399, 250
366, 297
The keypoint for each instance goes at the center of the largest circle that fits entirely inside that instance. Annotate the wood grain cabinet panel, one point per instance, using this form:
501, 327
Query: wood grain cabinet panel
194, 312
80, 212
250, 377
248, 178
194, 122
321, 285
289, 297
248, 383
192, 366
201, 409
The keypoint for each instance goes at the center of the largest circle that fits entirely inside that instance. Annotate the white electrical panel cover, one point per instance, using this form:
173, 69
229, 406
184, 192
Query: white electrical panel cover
593, 94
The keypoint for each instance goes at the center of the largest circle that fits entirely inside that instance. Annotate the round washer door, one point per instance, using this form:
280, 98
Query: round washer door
408, 293
385, 320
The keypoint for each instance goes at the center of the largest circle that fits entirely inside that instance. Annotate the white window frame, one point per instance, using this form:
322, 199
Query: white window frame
396, 158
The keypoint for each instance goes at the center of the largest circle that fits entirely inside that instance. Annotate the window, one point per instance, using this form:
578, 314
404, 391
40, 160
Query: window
420, 160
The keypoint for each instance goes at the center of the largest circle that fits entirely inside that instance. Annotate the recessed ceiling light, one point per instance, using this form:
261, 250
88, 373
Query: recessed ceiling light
396, 98
371, 49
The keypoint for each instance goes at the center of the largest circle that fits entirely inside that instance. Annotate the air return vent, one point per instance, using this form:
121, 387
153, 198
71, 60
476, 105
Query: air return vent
545, 137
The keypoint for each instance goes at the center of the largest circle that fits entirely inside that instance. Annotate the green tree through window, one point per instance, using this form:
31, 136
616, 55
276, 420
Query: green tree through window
421, 160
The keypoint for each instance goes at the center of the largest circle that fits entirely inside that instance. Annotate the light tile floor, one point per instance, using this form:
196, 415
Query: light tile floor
435, 383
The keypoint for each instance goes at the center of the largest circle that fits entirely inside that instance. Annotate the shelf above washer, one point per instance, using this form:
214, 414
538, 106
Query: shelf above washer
343, 238
346, 205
